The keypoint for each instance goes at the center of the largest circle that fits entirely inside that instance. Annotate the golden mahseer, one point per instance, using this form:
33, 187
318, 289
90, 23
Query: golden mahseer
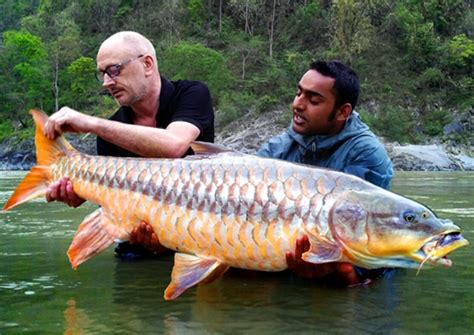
220, 209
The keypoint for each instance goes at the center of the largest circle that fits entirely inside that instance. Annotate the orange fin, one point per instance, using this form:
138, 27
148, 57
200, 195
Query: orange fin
47, 151
36, 182
206, 148
33, 185
91, 238
190, 270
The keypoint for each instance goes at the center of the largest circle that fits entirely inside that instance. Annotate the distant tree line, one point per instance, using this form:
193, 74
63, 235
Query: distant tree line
415, 58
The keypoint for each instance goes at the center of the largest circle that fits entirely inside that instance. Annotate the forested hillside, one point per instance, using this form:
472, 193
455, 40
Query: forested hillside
415, 58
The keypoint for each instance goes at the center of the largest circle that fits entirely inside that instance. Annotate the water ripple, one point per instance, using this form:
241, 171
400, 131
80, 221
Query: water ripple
6, 325
9, 254
31, 287
464, 212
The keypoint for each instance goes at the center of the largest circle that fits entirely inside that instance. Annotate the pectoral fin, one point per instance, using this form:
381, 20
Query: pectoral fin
322, 251
92, 237
190, 270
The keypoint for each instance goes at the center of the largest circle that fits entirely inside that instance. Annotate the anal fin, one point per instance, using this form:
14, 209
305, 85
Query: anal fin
91, 238
190, 270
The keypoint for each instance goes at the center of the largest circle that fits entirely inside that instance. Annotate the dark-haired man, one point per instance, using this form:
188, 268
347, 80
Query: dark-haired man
326, 132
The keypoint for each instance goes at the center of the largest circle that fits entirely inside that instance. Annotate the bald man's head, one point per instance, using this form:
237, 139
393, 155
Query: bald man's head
130, 43
127, 61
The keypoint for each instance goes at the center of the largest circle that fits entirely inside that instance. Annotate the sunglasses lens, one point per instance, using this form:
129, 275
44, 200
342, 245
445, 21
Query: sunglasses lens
113, 71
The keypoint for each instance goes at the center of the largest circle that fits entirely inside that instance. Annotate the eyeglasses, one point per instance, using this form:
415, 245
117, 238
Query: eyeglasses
114, 70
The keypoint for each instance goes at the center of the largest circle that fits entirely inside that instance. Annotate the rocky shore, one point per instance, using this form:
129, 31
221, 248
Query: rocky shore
22, 156
249, 132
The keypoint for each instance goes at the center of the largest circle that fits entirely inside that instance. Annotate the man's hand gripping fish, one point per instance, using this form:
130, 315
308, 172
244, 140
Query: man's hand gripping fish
227, 209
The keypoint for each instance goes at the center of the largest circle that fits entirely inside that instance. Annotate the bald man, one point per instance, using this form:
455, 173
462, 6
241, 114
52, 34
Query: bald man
156, 118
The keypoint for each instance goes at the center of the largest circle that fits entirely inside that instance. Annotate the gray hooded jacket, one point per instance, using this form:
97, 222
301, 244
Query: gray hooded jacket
355, 150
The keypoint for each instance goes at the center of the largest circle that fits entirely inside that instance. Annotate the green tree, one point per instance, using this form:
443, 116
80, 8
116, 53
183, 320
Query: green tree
195, 61
161, 21
54, 22
306, 29
84, 88
98, 19
418, 34
245, 53
247, 14
459, 64
445, 15
23, 80
352, 30
196, 12
460, 52
13, 10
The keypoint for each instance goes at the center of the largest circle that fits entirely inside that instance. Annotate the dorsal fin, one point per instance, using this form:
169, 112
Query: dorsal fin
206, 148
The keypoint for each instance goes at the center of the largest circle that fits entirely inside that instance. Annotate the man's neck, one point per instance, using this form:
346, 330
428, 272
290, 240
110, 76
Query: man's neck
145, 110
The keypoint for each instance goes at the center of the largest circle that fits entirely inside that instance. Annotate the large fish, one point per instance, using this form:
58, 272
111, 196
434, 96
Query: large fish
227, 209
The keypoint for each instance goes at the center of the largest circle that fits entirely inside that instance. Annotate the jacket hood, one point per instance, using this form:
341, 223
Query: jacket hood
353, 127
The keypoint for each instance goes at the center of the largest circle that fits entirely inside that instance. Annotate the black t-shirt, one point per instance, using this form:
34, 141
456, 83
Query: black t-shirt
182, 100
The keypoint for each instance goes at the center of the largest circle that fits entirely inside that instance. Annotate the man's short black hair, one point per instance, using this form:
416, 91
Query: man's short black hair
346, 86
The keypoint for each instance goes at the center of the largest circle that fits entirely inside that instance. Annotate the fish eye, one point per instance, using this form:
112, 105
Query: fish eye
409, 216
425, 215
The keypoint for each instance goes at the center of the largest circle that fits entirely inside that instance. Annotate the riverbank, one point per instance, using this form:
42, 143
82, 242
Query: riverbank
249, 132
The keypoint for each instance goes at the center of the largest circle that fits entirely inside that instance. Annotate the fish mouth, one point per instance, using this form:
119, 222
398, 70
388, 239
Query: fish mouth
435, 251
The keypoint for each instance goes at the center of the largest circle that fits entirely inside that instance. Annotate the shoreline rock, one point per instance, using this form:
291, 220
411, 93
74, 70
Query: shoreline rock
427, 158
14, 156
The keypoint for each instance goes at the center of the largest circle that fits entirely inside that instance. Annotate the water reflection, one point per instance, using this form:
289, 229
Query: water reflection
246, 301
75, 319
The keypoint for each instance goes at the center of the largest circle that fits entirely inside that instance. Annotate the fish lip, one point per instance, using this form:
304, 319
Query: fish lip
436, 252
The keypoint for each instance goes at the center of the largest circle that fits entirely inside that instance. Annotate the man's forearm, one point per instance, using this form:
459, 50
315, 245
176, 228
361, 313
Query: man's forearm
142, 140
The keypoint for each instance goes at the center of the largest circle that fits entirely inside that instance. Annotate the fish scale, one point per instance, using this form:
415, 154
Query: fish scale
95, 183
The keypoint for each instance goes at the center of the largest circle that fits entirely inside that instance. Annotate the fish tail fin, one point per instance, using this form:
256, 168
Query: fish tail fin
35, 183
32, 186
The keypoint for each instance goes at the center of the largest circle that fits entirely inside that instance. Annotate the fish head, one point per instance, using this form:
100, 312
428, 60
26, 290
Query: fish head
383, 229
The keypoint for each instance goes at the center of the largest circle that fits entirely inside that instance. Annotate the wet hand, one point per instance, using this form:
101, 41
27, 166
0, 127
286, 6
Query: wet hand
343, 273
144, 235
66, 120
62, 190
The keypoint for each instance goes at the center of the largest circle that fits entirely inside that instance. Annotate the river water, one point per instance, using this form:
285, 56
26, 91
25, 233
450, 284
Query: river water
40, 293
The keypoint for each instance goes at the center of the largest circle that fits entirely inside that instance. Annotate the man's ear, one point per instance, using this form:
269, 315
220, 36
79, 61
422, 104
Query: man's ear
149, 64
344, 112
